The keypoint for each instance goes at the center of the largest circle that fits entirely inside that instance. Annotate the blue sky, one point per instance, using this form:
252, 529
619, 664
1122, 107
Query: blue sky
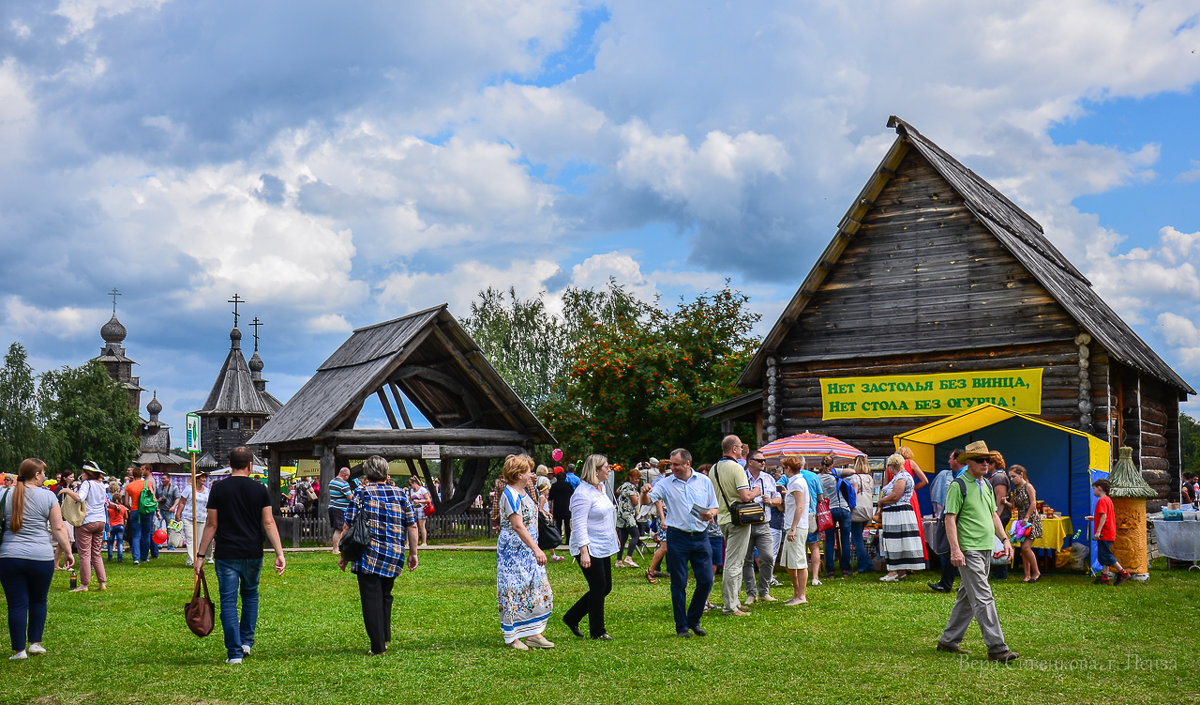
339, 166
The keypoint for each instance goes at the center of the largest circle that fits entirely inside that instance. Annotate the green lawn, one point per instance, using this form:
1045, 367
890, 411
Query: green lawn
857, 641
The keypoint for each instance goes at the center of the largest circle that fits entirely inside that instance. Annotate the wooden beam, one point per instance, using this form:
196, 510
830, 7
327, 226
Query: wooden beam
400, 405
387, 408
470, 369
431, 435
414, 451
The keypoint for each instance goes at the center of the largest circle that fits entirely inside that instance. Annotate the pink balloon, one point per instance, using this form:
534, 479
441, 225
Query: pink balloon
557, 454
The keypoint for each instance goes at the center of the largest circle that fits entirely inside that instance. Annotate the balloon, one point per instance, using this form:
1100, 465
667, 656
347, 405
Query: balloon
159, 536
557, 454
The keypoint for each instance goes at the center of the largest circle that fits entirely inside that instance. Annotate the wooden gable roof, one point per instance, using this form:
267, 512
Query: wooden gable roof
430, 358
233, 392
1016, 230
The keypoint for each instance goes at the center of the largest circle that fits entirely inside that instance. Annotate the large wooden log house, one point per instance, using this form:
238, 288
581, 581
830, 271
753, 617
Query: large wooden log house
932, 271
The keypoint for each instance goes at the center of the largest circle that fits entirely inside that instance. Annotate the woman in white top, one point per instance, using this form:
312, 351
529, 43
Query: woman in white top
594, 541
89, 537
795, 529
183, 513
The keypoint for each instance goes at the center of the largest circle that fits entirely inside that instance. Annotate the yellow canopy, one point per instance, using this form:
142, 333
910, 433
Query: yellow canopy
924, 439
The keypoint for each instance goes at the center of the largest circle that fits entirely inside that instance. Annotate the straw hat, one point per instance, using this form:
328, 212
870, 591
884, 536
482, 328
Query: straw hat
975, 451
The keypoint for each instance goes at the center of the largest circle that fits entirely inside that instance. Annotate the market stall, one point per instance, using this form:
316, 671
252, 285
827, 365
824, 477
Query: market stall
1059, 460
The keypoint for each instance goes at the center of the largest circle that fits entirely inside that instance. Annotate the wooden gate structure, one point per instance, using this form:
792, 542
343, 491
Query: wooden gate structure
431, 359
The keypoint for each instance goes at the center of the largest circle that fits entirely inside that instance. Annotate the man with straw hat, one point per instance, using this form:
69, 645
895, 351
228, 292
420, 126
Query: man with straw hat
971, 522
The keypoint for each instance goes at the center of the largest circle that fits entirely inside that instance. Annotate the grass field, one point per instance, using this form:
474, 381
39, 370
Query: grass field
857, 641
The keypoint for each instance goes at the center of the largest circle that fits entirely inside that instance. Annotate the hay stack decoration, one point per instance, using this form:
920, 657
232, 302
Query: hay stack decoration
1129, 494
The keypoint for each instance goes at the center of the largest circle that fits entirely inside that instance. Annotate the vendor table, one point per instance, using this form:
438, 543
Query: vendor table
1178, 539
1054, 533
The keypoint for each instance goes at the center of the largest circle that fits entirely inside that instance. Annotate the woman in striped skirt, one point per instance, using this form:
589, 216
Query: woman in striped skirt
901, 533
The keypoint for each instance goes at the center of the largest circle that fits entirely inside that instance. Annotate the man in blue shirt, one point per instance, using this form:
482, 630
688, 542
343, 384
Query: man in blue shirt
339, 500
689, 503
572, 478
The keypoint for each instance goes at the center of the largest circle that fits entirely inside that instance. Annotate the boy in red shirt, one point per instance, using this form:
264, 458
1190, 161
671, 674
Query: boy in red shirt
1105, 527
116, 530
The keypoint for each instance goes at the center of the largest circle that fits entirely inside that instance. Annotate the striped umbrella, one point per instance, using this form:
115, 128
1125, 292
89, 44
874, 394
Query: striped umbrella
813, 446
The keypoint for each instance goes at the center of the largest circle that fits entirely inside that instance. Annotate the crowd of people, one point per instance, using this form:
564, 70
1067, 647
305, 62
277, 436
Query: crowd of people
744, 517
741, 517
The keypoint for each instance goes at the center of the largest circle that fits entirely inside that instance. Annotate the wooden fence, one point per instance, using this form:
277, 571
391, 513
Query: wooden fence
471, 524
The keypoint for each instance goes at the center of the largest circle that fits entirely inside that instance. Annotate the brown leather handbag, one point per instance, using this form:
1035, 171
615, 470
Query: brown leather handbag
199, 611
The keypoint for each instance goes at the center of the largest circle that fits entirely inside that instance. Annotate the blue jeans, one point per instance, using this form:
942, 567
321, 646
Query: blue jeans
141, 528
116, 534
234, 577
682, 548
860, 549
841, 524
26, 587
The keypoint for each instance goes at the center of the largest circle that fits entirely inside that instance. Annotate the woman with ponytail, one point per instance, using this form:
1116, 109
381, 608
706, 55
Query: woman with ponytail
26, 556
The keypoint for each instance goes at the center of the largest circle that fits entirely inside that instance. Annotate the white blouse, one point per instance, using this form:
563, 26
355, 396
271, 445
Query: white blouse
592, 522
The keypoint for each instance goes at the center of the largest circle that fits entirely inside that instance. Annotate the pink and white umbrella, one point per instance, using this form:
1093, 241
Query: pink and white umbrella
813, 446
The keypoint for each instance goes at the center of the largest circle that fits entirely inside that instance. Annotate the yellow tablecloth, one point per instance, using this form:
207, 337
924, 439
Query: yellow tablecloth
1054, 532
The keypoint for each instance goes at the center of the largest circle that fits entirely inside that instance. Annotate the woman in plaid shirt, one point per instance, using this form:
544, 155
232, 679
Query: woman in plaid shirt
389, 516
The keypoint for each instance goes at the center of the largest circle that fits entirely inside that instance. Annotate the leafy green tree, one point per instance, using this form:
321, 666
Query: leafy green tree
638, 380
521, 339
1189, 434
20, 425
88, 417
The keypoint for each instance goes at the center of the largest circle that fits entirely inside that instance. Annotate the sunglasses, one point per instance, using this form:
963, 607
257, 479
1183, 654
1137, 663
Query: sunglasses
759, 460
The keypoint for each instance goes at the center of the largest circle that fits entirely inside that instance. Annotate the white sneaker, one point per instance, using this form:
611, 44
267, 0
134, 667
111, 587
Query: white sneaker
36, 649
816, 582
19, 656
749, 600
233, 661
246, 649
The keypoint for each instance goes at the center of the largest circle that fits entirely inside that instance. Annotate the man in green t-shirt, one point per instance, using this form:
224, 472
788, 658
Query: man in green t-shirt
971, 522
732, 485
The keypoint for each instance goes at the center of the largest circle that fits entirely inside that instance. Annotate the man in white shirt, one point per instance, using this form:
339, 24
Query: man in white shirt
760, 534
687, 503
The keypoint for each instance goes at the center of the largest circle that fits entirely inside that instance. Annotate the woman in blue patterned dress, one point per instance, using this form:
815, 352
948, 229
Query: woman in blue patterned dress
522, 588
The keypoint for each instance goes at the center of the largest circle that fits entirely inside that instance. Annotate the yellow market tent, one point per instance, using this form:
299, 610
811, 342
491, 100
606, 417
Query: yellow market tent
1057, 458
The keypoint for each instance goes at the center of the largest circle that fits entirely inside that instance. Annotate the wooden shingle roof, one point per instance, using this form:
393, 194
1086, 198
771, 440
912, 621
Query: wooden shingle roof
1017, 231
429, 357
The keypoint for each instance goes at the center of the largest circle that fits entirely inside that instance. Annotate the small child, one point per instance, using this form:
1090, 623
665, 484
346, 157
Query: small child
1105, 526
116, 529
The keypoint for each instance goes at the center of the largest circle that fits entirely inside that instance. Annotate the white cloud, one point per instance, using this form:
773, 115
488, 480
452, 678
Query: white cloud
710, 178
82, 15
66, 322
329, 323
1181, 333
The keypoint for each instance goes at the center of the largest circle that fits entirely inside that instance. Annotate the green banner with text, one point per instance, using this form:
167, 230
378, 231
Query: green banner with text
930, 395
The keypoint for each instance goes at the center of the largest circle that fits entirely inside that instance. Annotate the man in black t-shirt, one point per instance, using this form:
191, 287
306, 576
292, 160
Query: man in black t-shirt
239, 516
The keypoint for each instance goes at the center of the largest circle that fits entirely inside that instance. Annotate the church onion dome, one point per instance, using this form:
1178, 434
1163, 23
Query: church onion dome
113, 331
154, 407
235, 337
255, 363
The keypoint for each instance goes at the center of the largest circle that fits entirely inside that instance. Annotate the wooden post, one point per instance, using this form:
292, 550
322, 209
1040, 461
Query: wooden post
328, 471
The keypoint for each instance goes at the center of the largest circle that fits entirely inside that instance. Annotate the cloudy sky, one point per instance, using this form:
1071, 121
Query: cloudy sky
339, 164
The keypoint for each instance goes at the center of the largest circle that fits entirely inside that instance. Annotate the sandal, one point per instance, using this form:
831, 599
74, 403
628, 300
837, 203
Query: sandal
650, 578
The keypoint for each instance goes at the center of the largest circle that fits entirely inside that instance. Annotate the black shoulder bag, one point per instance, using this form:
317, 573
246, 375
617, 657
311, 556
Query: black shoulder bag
742, 513
354, 544
939, 541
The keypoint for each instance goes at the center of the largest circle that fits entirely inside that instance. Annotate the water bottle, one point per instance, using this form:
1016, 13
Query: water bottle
74, 580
